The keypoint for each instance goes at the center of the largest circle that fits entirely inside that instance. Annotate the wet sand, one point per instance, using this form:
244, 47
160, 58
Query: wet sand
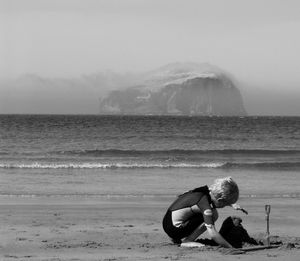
129, 229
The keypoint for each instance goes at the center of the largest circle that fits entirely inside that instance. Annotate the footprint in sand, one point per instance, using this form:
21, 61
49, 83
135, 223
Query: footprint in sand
36, 223
64, 227
10, 256
21, 238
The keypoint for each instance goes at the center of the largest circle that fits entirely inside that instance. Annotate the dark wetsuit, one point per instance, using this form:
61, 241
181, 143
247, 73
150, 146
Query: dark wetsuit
188, 212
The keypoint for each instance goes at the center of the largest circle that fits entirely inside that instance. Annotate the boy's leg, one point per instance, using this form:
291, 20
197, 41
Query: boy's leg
200, 229
197, 232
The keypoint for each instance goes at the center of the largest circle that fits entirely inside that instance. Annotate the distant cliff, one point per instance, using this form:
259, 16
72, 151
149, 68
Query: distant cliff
178, 89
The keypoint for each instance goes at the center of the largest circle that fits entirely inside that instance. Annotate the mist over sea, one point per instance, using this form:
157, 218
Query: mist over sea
113, 156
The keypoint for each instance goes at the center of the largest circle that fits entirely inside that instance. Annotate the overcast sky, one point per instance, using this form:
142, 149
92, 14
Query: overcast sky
255, 40
251, 38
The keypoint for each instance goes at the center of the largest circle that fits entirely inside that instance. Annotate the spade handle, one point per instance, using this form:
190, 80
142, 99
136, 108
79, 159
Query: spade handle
268, 210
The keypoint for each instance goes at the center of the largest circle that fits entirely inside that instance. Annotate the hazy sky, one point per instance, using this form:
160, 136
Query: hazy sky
250, 38
258, 41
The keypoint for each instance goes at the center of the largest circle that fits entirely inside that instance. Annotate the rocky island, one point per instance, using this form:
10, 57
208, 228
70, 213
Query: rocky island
178, 89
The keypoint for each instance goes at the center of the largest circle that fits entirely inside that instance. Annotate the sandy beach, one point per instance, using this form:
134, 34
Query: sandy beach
115, 228
110, 110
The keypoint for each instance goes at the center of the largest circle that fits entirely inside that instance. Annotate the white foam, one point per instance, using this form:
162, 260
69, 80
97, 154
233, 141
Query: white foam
37, 165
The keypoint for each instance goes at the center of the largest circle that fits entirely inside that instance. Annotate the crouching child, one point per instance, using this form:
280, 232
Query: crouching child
195, 211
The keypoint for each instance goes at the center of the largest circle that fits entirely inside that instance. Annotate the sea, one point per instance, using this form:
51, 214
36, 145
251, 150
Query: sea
98, 156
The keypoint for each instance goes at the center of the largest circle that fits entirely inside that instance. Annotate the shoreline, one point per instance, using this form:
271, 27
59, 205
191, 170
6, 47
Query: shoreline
127, 229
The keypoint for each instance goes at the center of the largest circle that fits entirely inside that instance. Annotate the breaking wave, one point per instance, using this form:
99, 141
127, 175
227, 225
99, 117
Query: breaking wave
225, 165
109, 165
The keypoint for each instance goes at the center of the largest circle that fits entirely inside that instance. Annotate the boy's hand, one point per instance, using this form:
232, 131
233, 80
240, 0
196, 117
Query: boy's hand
238, 207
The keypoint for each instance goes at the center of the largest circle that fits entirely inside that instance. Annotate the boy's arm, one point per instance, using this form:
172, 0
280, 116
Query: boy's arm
210, 216
216, 236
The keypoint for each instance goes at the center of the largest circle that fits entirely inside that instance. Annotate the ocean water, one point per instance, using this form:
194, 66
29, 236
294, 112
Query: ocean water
107, 156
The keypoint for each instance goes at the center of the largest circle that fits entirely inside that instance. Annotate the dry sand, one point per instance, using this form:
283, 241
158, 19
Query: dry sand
128, 229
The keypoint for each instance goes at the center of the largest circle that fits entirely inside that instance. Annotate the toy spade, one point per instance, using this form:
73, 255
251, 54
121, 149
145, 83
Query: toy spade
268, 210
267, 242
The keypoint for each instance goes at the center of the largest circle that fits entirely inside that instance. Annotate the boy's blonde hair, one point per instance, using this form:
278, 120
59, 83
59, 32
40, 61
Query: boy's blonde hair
225, 189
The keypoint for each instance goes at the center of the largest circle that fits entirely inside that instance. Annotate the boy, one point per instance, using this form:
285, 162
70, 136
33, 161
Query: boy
195, 211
